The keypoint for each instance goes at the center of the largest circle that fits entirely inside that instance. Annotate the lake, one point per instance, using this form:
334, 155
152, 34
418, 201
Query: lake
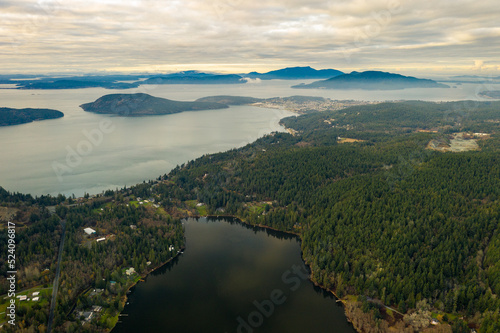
35, 156
232, 278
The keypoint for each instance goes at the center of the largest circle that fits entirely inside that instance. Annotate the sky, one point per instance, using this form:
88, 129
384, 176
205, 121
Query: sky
438, 37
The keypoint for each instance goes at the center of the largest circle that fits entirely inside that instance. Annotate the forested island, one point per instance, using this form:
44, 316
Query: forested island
133, 105
332, 79
372, 80
196, 78
494, 94
408, 237
295, 73
10, 116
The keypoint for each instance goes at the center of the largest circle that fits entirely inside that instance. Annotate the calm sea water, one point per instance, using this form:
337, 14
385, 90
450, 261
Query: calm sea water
232, 278
37, 158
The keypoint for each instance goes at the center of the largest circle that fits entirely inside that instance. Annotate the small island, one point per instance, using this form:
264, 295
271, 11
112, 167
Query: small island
10, 116
196, 78
140, 104
493, 94
372, 80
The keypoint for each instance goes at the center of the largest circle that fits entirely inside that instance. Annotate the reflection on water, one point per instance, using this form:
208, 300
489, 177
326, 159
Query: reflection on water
232, 278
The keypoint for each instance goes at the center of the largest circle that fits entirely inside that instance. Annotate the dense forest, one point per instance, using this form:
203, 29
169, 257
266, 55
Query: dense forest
126, 234
405, 235
384, 218
10, 116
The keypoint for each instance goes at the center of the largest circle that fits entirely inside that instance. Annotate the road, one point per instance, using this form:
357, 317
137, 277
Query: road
56, 279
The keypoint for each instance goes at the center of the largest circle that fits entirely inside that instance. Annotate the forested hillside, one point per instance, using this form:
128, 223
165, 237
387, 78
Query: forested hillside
126, 234
10, 116
384, 218
403, 233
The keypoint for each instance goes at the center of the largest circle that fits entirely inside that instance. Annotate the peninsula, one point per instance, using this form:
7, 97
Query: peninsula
9, 116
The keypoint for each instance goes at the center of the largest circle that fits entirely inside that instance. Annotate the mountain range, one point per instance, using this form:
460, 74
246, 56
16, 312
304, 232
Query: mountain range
333, 79
372, 80
296, 73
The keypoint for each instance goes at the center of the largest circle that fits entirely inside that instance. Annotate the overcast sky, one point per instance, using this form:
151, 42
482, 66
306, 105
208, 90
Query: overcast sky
410, 37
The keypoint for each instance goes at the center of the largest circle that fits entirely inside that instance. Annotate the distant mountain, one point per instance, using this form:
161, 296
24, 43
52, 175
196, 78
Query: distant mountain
128, 81
112, 81
144, 105
189, 73
296, 73
372, 80
198, 78
75, 84
9, 116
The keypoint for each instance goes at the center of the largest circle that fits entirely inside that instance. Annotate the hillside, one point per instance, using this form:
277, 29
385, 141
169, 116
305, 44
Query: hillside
384, 220
296, 73
372, 80
75, 84
230, 100
195, 79
493, 94
144, 105
9, 116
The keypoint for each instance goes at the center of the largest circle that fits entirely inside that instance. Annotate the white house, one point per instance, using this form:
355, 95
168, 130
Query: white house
130, 271
89, 231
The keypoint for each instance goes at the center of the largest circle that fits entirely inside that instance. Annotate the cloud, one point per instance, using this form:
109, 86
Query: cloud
94, 35
253, 81
478, 64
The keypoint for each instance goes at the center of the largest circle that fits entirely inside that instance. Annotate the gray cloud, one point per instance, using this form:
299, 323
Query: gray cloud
427, 36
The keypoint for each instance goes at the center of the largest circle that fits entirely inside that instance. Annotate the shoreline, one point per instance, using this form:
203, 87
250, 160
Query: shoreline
247, 223
141, 279
338, 299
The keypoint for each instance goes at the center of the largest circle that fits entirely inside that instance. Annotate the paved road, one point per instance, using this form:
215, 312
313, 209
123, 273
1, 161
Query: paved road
56, 279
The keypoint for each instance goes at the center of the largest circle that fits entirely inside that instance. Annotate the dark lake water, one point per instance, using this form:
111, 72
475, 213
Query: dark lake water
232, 278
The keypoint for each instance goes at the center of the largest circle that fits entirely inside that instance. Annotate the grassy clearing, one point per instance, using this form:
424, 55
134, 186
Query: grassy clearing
44, 297
191, 203
257, 207
200, 210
